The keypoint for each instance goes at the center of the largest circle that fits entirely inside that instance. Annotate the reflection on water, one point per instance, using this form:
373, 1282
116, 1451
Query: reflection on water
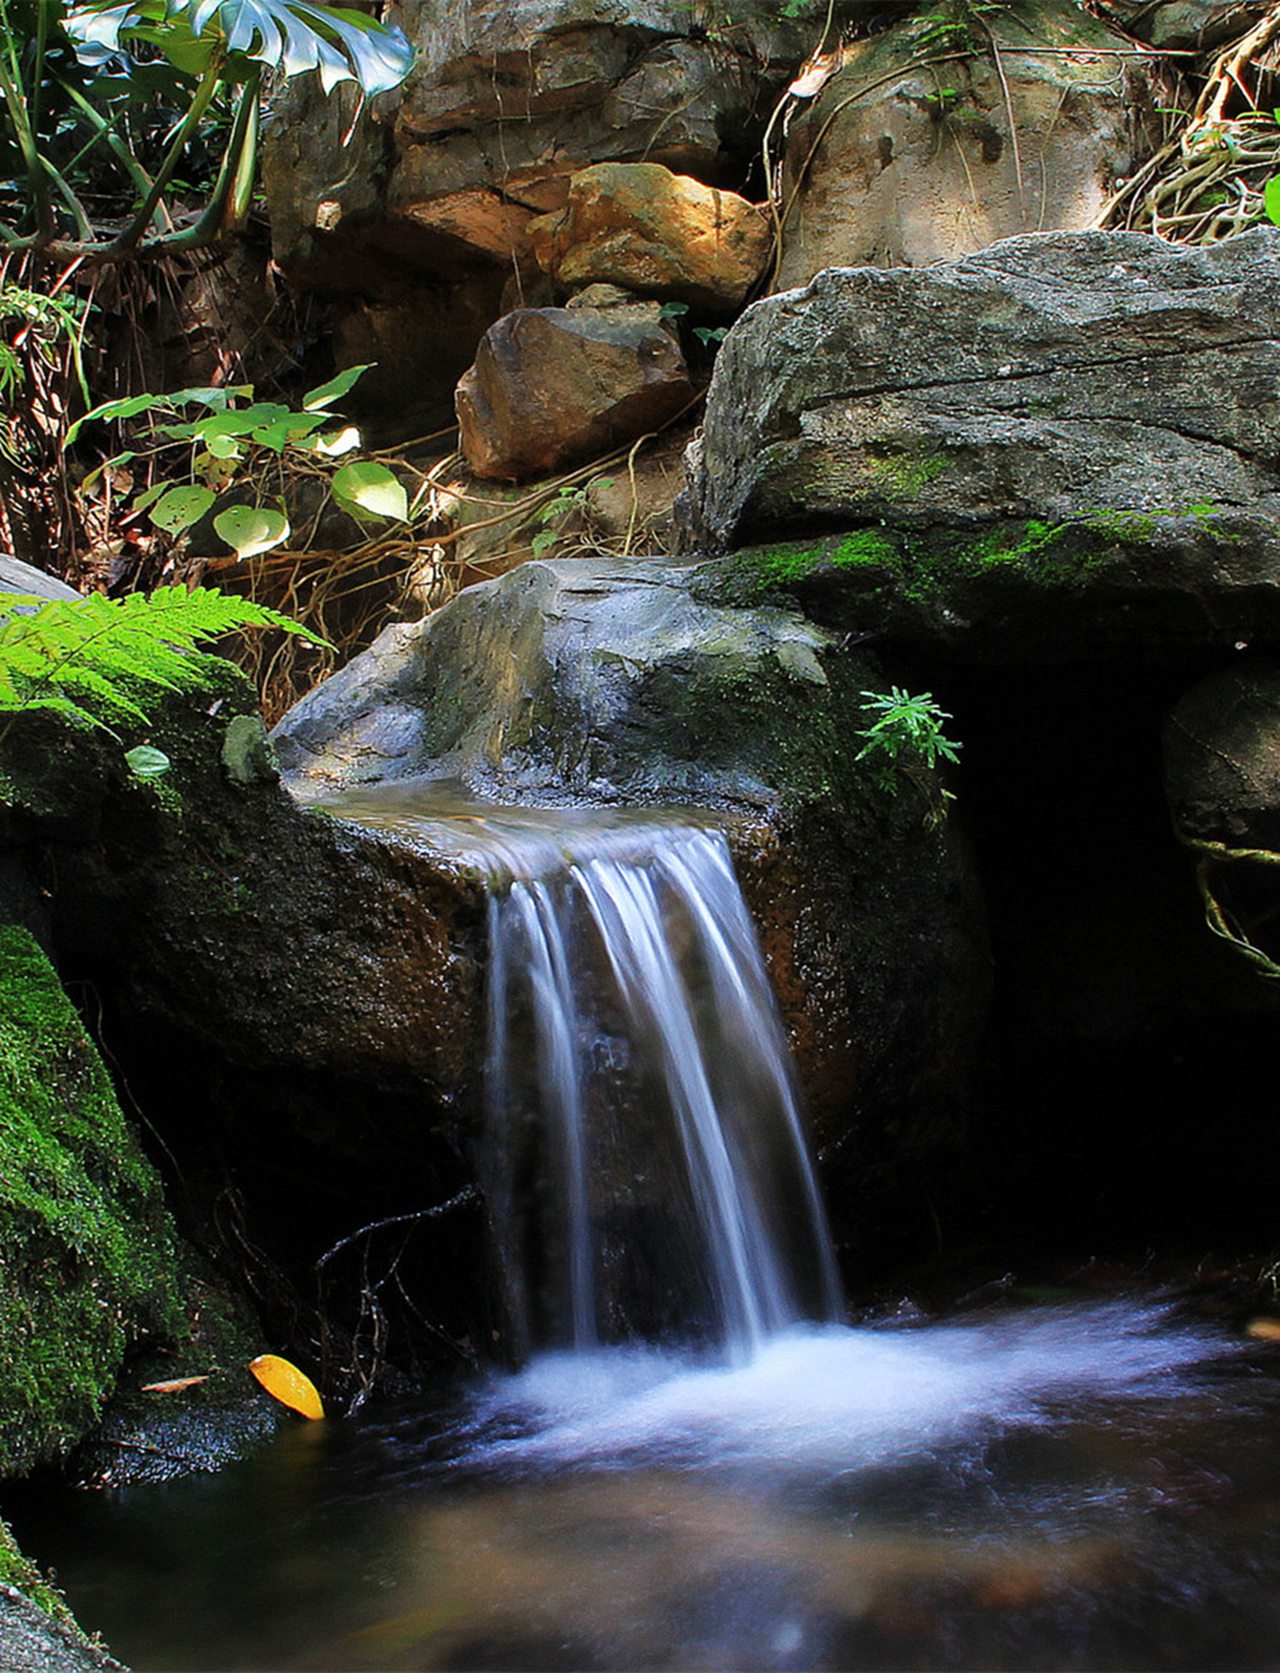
1095, 1485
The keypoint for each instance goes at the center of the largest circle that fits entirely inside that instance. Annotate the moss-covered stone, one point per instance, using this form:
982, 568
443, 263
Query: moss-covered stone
20, 1572
86, 1244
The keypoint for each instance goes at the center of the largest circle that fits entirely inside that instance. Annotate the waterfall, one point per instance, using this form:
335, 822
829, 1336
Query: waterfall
644, 1156
636, 1045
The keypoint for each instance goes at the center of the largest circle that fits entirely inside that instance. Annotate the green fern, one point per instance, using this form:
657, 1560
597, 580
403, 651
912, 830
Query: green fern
96, 659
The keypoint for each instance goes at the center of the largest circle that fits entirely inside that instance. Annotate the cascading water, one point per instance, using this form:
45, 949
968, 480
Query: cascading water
699, 1465
632, 1025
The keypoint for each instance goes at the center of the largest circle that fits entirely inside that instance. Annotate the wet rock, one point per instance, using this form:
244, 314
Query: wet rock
292, 1000
31, 1641
900, 160
657, 233
598, 681
551, 386
88, 1247
1222, 758
1064, 441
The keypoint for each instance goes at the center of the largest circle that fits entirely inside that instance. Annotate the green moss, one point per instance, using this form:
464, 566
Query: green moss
924, 567
20, 1572
905, 475
86, 1245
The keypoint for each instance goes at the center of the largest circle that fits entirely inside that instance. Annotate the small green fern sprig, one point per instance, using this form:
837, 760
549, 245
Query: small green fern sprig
95, 658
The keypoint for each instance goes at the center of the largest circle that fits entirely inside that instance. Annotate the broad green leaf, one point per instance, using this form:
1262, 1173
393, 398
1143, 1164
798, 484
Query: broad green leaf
372, 489
335, 389
223, 447
251, 529
337, 442
1271, 198
146, 762
129, 407
181, 507
291, 428
284, 1382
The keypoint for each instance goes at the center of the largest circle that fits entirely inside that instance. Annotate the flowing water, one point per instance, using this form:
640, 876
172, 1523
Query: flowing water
700, 1465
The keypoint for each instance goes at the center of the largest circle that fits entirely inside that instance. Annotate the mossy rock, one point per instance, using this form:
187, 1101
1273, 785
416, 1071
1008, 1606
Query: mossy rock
86, 1244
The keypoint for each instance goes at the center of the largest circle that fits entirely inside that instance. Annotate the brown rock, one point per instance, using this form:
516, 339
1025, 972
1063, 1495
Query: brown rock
655, 232
552, 385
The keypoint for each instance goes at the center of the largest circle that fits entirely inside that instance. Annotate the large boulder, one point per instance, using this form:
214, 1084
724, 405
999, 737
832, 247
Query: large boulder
551, 386
1066, 440
598, 681
656, 233
932, 140
506, 102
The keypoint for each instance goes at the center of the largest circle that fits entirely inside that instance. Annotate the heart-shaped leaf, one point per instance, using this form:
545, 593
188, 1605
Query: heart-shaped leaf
367, 487
251, 529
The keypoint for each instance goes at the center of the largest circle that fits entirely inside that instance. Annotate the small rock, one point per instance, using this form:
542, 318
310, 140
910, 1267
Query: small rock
655, 232
553, 385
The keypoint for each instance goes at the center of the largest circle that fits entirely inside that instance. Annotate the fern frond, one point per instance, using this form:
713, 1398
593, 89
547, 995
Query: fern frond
92, 656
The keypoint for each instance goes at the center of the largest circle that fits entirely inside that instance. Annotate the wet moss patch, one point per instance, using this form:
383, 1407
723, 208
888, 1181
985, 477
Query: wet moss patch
86, 1244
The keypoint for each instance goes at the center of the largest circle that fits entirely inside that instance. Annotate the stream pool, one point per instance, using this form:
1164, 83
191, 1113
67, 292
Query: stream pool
1086, 1484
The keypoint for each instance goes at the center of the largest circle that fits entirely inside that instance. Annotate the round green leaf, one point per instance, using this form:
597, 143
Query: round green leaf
367, 487
180, 507
1271, 198
251, 529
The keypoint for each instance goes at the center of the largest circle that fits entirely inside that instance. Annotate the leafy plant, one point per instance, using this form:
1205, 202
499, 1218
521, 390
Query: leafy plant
567, 501
227, 444
93, 89
907, 731
98, 660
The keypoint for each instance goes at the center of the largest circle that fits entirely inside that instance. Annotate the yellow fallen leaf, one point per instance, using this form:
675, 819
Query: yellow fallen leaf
175, 1385
288, 1385
1266, 1330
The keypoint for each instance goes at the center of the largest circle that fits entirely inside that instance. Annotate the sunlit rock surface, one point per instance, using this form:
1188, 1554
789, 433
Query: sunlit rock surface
924, 145
554, 386
1065, 442
657, 233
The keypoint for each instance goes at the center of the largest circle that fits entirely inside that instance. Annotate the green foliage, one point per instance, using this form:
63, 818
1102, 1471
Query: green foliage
85, 1243
907, 731
228, 444
42, 323
568, 500
98, 660
106, 102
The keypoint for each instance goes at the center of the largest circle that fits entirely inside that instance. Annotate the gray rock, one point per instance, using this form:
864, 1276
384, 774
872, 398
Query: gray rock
19, 577
1092, 412
32, 1642
596, 681
901, 161
1222, 758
